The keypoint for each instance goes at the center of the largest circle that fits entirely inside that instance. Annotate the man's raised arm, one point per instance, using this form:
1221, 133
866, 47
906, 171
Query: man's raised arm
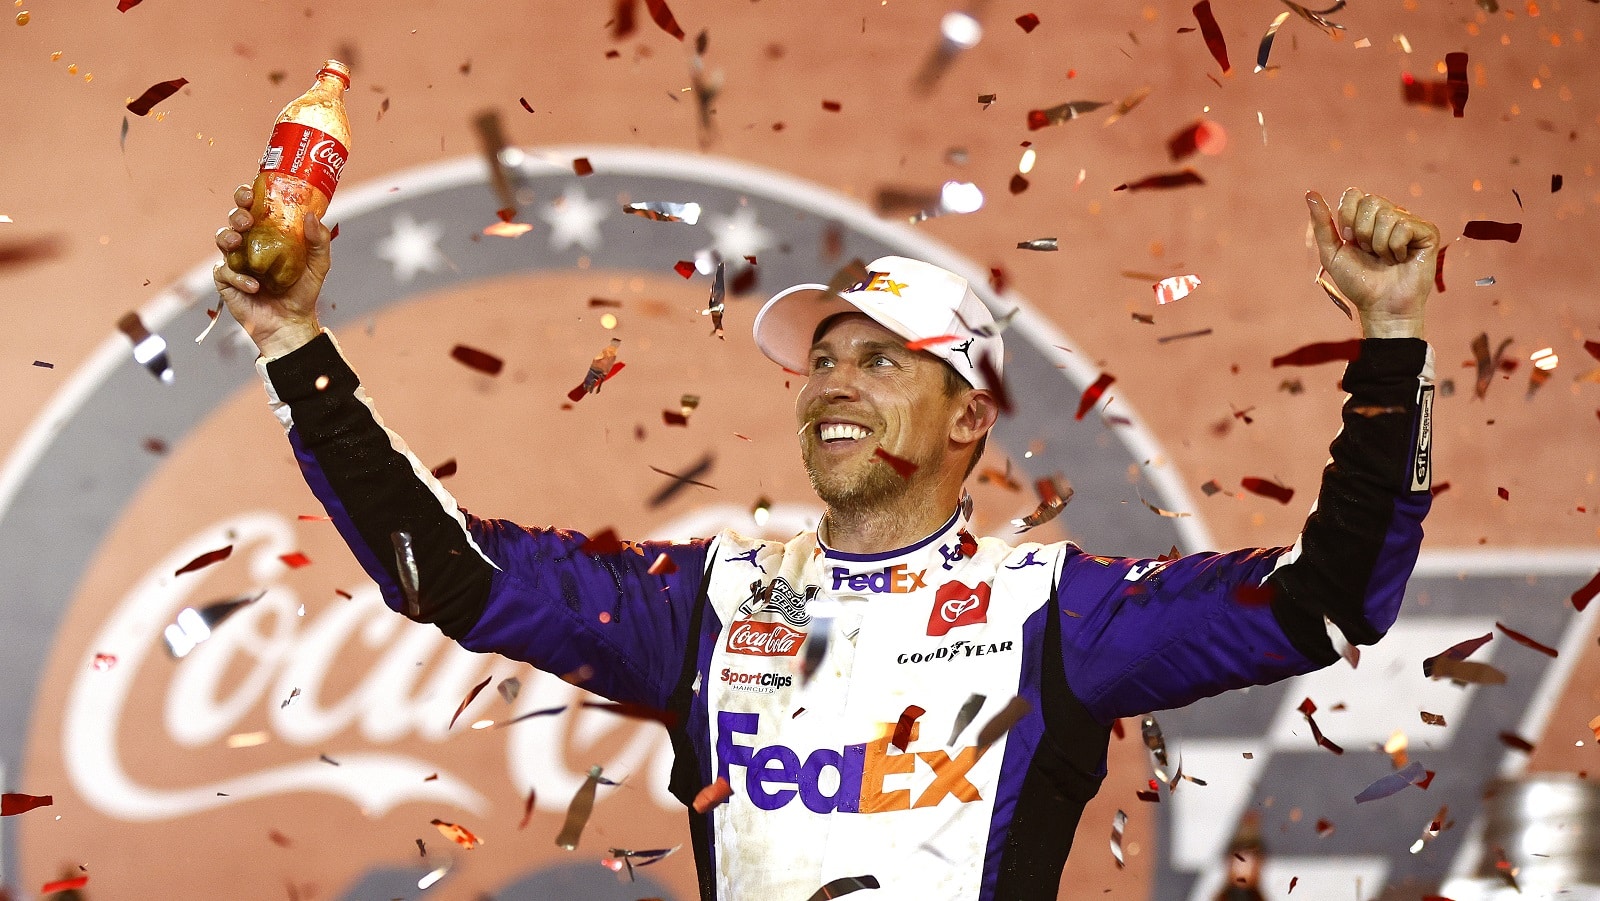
530, 594
1148, 635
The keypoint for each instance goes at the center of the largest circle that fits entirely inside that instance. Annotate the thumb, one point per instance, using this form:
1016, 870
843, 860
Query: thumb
1322, 226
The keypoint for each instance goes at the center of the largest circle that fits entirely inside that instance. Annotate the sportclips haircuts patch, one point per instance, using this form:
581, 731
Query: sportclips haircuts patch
307, 740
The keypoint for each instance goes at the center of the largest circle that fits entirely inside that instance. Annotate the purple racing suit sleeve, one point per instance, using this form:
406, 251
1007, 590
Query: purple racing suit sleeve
599, 619
1145, 635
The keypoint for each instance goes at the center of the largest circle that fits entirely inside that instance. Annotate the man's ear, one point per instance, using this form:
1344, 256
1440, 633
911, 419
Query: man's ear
976, 416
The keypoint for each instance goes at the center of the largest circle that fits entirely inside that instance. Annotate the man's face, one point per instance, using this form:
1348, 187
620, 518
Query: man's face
865, 391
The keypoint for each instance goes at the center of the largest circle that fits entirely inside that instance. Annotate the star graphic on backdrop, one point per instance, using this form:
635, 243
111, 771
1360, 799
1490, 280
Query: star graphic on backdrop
412, 247
737, 236
575, 219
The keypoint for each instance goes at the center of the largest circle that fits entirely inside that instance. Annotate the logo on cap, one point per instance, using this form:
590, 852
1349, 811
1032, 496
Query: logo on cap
877, 281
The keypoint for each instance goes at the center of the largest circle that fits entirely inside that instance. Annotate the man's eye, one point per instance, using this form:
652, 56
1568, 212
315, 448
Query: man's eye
881, 360
821, 363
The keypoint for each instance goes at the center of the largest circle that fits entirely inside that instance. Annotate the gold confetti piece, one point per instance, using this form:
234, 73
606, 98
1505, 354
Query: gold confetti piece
1433, 719
660, 211
461, 835
578, 811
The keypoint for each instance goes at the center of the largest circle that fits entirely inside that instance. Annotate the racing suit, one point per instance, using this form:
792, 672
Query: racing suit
851, 699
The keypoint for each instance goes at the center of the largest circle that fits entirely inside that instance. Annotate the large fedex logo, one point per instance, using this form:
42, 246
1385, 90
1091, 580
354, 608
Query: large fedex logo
871, 777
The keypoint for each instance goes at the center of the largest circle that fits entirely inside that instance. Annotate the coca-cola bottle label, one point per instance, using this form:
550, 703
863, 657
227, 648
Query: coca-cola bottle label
307, 153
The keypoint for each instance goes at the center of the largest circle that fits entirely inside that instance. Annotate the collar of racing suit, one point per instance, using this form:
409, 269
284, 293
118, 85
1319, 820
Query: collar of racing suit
944, 546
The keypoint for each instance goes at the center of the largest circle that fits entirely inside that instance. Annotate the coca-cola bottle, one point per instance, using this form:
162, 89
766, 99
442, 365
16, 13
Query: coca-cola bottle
299, 170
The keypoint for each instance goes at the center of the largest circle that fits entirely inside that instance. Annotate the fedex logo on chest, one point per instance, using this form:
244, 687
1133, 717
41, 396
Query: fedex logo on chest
896, 579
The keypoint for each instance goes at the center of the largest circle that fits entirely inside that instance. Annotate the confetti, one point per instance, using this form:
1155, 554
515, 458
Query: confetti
663, 211
149, 349
14, 804
903, 468
1433, 719
191, 626
1119, 822
1582, 597
602, 367
715, 308
579, 809
1594, 724
444, 470
294, 559
406, 565
843, 886
1212, 34
30, 251
154, 95
1307, 708
1028, 21
1456, 78
1204, 136
832, 106
1324, 828
1154, 741
1093, 393
1466, 671
1162, 181
712, 795
472, 358
635, 712
1266, 40
1197, 333
548, 711
64, 885
1039, 244
663, 566
476, 689
1525, 641
1320, 352
44, 365
1124, 106
1054, 493
700, 468
509, 688
205, 560
904, 727
1055, 115
461, 835
925, 343
1487, 363
964, 717
1516, 742
125, 5
1159, 511
103, 662
1001, 722
1175, 288
623, 860
1489, 230
1267, 488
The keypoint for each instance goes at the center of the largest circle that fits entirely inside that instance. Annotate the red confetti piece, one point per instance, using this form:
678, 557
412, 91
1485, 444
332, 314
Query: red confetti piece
582, 166
461, 835
1320, 352
1164, 180
1028, 21
30, 251
1438, 270
344, 594
444, 470
1433, 719
154, 95
1093, 393
1489, 230
832, 106
1456, 78
205, 560
1593, 347
472, 358
684, 268
279, 839
103, 662
1266, 488
604, 543
1516, 742
902, 728
1175, 288
1324, 828
1525, 641
713, 794
1018, 183
1582, 597
582, 391
63, 885
13, 804
904, 468
125, 5
663, 17
636, 712
1150, 796
1204, 136
663, 566
925, 343
527, 809
1254, 595
1426, 780
997, 385
1212, 34
525, 104
1504, 494
1293, 881
673, 417
294, 559
461, 708
333, 233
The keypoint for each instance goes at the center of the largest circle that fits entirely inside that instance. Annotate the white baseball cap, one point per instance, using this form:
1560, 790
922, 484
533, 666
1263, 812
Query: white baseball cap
918, 301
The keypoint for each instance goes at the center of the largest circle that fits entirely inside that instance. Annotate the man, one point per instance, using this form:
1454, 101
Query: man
796, 671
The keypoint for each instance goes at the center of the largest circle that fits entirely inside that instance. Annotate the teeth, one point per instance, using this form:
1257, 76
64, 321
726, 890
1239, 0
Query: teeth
834, 431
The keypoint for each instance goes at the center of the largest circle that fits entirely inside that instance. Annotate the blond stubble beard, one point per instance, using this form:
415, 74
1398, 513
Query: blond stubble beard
872, 488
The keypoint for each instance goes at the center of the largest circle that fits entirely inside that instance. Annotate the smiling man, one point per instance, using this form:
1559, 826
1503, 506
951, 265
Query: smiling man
895, 704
